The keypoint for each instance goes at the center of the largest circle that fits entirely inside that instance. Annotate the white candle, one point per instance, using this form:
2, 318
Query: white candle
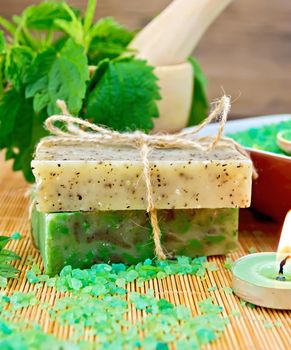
256, 277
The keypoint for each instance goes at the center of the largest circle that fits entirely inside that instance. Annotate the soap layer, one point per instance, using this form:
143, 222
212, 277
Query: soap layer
82, 239
96, 177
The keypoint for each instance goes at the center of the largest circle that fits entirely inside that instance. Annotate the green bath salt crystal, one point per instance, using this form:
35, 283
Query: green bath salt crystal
263, 138
81, 239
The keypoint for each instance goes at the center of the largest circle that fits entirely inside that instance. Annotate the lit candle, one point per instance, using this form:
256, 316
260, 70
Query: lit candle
264, 279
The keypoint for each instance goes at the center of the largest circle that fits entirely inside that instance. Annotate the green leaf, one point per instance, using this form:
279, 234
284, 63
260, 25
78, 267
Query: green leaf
8, 26
200, 103
17, 61
8, 255
90, 12
43, 15
2, 42
3, 241
36, 78
9, 109
123, 95
61, 75
107, 39
20, 130
73, 28
8, 271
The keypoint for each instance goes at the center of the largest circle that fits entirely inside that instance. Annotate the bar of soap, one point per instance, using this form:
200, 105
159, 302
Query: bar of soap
82, 239
86, 177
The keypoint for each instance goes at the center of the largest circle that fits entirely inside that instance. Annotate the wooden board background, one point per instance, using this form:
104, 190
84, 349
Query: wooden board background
246, 51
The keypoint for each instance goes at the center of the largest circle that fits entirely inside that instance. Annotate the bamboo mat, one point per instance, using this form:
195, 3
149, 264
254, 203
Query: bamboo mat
248, 331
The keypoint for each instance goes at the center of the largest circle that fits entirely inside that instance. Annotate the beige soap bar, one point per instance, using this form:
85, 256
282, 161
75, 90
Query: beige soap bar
90, 177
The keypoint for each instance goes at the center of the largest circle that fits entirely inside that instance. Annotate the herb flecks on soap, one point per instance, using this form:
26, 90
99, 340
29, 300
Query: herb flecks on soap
46, 54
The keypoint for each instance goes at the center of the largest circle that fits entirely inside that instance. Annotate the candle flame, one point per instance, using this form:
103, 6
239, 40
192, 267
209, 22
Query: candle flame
284, 246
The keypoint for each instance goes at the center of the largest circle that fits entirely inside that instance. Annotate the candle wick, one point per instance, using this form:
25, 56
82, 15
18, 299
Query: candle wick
281, 276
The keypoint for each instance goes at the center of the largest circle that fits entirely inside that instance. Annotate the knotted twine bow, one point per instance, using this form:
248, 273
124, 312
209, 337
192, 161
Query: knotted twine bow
76, 130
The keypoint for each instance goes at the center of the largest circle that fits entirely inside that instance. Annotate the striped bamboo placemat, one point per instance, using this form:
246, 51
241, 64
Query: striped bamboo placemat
254, 329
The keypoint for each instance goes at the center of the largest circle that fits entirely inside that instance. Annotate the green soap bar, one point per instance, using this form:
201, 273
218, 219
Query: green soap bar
81, 239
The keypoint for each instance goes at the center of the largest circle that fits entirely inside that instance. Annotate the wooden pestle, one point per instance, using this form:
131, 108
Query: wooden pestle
171, 37
166, 43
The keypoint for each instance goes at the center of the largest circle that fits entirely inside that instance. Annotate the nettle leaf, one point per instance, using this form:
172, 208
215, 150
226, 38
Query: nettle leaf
73, 27
200, 105
9, 108
123, 95
3, 241
58, 75
20, 129
17, 61
2, 42
37, 78
6, 257
43, 15
108, 39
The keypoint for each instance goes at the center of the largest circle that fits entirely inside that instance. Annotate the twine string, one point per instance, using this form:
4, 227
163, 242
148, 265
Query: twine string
76, 130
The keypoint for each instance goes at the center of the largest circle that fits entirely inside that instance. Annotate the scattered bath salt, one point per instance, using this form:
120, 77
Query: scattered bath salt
45, 305
235, 313
212, 288
246, 303
183, 313
119, 274
16, 235
96, 304
20, 300
161, 275
201, 272
3, 282
140, 301
131, 276
207, 306
227, 290
29, 260
252, 250
36, 268
31, 277
228, 263
38, 286
120, 282
211, 266
268, 324
12, 336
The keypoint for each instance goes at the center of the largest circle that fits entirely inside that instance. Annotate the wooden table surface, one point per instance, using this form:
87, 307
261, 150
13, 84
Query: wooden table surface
253, 328
246, 51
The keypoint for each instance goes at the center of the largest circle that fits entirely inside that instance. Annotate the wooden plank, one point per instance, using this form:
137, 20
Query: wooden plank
246, 51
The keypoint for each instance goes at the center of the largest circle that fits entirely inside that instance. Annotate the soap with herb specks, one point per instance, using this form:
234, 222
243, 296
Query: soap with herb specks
84, 177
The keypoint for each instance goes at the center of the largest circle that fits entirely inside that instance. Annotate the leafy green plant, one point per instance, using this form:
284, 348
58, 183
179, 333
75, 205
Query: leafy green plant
47, 52
6, 257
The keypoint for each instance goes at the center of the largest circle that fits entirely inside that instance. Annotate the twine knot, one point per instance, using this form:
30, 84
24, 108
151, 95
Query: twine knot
76, 130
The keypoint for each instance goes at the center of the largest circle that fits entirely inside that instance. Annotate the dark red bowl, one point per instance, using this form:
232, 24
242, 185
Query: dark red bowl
271, 193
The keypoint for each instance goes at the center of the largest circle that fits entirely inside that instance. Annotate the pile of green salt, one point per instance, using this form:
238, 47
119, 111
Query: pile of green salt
98, 303
263, 138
